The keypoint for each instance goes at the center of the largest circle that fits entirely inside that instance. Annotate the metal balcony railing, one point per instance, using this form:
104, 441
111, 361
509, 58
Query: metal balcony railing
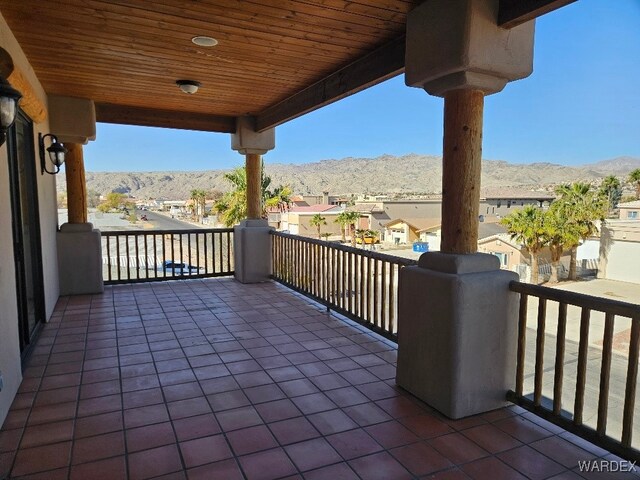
578, 366
150, 255
358, 283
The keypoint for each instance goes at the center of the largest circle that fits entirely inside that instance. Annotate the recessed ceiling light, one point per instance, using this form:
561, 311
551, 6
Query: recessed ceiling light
188, 86
203, 41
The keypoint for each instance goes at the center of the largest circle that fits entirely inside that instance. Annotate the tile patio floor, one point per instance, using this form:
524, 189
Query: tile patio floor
211, 379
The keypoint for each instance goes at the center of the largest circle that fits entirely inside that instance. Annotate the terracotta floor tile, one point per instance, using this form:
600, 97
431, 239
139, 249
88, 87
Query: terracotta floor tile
491, 438
224, 470
354, 443
151, 436
264, 393
195, 427
94, 406
205, 450
188, 408
530, 463
421, 459
16, 419
110, 469
228, 400
177, 377
377, 390
96, 448
346, 396
211, 371
314, 369
154, 462
47, 433
296, 388
392, 434
367, 414
522, 429
379, 466
312, 454
100, 389
140, 383
100, 375
59, 395
267, 465
60, 381
253, 379
245, 366
399, 407
52, 413
182, 391
138, 417
57, 474
426, 426
251, 440
458, 448
277, 410
10, 439
490, 468
39, 459
562, 451
142, 398
284, 374
332, 421
238, 418
293, 430
339, 471
329, 381
313, 403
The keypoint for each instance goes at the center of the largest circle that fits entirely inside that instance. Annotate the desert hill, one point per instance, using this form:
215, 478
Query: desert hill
410, 173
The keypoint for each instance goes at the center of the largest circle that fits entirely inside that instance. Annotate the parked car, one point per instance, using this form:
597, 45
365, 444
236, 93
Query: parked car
179, 268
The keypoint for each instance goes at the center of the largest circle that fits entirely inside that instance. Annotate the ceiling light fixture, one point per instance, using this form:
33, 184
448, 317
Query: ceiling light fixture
204, 41
188, 86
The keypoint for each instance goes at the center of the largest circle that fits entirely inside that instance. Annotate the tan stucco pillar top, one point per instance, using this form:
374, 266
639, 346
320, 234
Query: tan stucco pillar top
252, 144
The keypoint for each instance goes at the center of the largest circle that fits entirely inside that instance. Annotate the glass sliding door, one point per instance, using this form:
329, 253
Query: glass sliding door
26, 229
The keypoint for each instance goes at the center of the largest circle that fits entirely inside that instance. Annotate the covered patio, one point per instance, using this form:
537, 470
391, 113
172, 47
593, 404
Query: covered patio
211, 378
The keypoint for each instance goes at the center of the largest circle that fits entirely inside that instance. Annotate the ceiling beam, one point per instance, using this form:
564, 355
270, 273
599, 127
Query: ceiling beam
514, 12
375, 67
148, 117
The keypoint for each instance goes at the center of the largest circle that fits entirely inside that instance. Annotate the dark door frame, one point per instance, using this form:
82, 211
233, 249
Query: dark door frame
27, 335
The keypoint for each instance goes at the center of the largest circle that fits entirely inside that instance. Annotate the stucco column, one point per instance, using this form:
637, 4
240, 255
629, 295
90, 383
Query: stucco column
76, 184
73, 121
253, 166
251, 239
457, 319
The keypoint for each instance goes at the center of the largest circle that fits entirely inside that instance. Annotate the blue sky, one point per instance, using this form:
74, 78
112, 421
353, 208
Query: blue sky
580, 105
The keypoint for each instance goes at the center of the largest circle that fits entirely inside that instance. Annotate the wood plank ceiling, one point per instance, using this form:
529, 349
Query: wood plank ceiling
276, 59
131, 52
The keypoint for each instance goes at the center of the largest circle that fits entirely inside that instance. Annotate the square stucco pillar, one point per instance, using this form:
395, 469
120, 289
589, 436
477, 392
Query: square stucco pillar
457, 332
79, 259
252, 251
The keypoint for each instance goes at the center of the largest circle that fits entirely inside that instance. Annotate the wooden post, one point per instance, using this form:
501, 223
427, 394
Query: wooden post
76, 184
254, 179
461, 168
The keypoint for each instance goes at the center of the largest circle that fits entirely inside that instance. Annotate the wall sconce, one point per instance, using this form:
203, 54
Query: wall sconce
9, 97
56, 153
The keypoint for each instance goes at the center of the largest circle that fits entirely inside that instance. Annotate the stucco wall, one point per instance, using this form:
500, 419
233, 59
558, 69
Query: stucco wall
9, 341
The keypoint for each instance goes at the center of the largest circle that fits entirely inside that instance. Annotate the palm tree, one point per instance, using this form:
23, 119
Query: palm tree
611, 189
199, 198
561, 234
634, 178
232, 207
526, 226
347, 220
582, 208
317, 221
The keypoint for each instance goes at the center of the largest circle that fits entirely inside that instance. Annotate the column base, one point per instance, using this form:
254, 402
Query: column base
457, 332
79, 259
252, 251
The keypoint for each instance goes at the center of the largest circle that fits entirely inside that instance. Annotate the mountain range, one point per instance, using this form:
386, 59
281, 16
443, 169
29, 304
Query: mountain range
412, 173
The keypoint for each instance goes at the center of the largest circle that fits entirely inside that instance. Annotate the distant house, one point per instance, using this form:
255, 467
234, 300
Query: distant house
403, 231
630, 210
620, 250
297, 220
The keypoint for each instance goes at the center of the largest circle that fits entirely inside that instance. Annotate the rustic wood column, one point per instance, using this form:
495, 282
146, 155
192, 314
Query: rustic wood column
462, 155
254, 195
76, 184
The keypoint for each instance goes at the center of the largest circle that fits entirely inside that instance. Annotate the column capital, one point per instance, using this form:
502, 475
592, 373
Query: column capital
457, 44
247, 140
